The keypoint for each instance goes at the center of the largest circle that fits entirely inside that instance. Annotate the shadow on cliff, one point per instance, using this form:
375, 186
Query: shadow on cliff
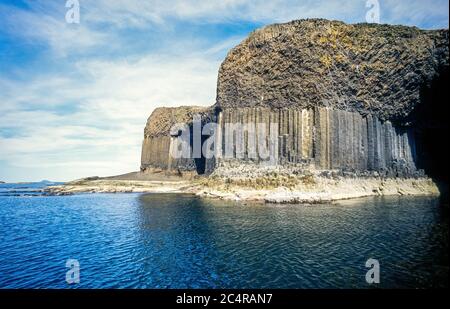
431, 124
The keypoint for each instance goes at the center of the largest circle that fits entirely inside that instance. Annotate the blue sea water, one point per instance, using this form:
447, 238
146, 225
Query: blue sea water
181, 241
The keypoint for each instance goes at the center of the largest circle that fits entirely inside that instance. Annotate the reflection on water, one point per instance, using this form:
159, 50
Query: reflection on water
180, 241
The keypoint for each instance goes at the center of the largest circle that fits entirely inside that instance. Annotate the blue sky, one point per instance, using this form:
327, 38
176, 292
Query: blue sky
74, 98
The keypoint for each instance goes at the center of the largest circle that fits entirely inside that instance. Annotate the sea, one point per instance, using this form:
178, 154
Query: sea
180, 241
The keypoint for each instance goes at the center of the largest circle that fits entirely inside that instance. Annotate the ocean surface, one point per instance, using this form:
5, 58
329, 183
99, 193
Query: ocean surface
180, 241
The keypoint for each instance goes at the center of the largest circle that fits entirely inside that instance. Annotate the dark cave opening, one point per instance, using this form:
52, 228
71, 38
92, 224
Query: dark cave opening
431, 128
200, 163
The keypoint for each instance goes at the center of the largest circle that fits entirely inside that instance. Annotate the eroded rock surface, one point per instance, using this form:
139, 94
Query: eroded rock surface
158, 140
163, 118
353, 98
368, 68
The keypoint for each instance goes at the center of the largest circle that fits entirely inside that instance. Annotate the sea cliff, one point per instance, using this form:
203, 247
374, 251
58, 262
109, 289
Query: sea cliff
339, 111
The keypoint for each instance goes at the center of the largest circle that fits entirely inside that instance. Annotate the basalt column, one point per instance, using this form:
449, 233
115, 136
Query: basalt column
347, 141
247, 134
155, 152
330, 139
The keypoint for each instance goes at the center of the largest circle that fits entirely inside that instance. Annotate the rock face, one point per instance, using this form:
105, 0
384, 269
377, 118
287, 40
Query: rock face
332, 96
365, 68
163, 118
158, 138
325, 138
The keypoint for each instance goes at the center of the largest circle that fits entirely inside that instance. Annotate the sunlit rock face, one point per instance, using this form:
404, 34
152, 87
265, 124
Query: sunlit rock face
365, 68
341, 97
158, 138
325, 138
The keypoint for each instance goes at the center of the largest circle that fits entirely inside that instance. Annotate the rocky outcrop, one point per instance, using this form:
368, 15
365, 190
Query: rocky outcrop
158, 137
163, 118
347, 98
365, 68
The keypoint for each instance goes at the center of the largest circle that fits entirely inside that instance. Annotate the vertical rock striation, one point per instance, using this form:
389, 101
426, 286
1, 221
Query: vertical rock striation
159, 142
328, 139
323, 94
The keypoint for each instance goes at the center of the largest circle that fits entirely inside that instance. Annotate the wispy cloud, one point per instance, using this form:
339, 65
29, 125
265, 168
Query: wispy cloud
424, 14
136, 13
46, 24
112, 100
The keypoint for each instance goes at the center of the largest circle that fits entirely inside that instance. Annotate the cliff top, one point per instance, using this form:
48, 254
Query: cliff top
163, 118
368, 68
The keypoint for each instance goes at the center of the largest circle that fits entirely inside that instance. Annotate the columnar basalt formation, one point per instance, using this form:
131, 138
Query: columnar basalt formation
336, 97
158, 138
328, 139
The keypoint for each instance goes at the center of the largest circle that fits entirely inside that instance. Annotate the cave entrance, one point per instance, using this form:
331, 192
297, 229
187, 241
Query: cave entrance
431, 126
200, 163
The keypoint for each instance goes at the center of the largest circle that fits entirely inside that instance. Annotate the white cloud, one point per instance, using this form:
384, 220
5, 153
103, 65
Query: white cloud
46, 23
137, 13
416, 12
113, 98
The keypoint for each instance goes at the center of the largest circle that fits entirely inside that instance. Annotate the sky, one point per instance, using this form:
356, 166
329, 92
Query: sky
75, 97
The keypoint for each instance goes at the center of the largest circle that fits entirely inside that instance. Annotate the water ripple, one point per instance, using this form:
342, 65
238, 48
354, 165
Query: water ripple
179, 241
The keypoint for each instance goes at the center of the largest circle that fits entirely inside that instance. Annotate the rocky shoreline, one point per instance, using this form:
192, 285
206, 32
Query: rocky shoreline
326, 190
280, 189
118, 186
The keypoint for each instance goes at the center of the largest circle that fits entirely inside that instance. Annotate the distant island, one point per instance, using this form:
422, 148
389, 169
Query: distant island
306, 111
